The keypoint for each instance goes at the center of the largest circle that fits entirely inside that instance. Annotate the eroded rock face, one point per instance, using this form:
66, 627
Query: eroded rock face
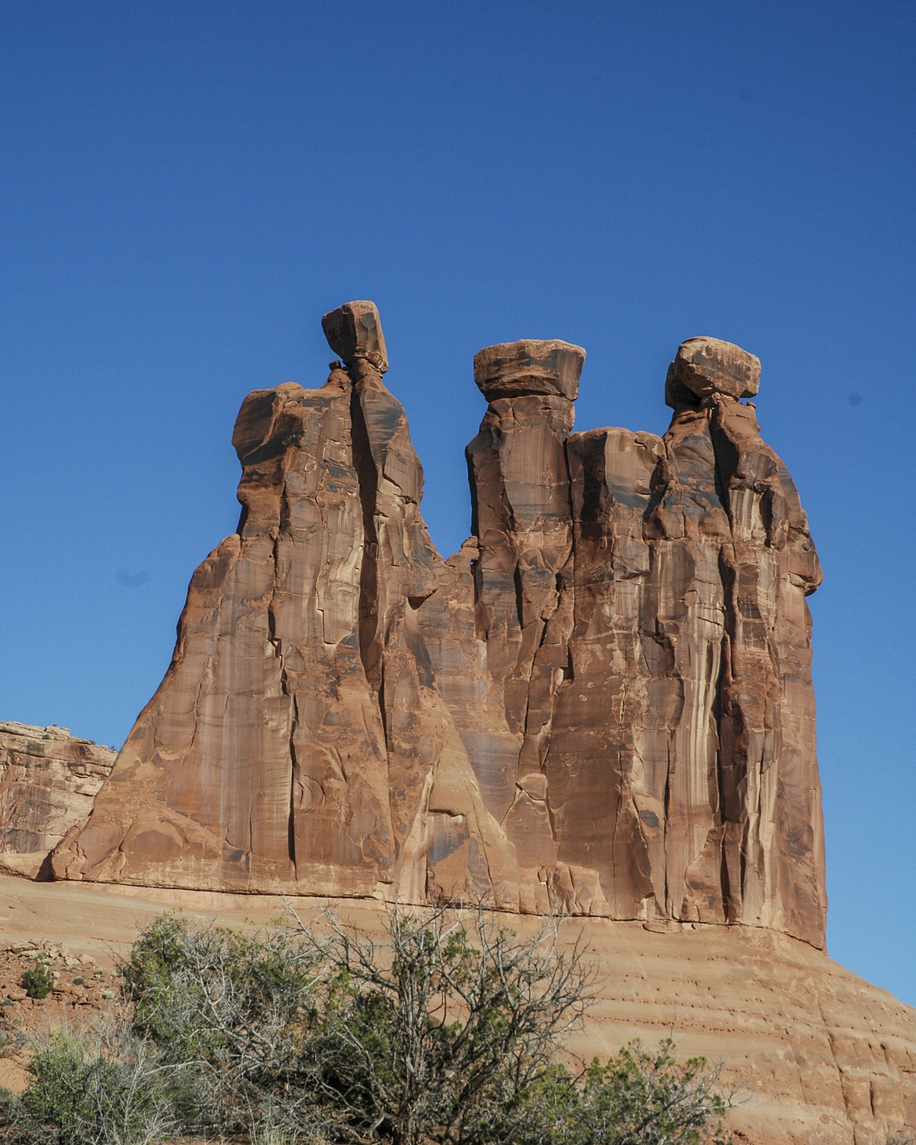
48, 780
602, 704
517, 369
706, 366
298, 742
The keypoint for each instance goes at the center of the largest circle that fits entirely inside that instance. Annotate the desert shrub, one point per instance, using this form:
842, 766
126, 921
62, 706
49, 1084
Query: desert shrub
38, 979
446, 1032
99, 1085
412, 1039
232, 1013
424, 1036
8, 1105
640, 1097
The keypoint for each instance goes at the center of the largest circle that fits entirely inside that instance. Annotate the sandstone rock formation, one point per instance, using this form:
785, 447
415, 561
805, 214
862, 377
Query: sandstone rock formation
602, 704
299, 742
48, 780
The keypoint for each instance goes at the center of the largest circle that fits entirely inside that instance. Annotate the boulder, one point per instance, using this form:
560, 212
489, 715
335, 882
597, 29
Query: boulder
517, 369
353, 331
704, 366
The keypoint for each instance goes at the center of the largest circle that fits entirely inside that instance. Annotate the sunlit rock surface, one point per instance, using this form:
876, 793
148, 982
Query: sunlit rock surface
48, 780
601, 705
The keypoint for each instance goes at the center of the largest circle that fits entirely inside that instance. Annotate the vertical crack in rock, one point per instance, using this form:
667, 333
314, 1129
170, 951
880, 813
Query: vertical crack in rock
286, 687
369, 645
243, 789
430, 779
294, 768
771, 870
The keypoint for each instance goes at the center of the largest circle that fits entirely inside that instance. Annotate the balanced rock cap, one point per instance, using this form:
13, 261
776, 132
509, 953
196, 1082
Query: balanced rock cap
513, 369
707, 366
354, 330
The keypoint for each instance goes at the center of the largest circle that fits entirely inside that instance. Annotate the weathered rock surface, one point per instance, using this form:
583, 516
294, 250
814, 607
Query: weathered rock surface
635, 693
298, 742
602, 704
48, 780
354, 331
706, 366
514, 369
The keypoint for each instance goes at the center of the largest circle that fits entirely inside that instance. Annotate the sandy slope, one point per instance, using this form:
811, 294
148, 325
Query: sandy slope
824, 1057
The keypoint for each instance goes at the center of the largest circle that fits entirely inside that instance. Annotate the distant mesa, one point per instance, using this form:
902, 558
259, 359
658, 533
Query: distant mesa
48, 780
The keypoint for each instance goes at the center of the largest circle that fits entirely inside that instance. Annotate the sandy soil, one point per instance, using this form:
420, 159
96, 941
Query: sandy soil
823, 1058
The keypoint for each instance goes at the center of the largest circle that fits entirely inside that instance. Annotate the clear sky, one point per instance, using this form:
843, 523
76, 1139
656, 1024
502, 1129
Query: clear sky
186, 187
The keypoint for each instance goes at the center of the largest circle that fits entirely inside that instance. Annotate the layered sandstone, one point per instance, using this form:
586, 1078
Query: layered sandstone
602, 704
821, 1057
635, 692
48, 780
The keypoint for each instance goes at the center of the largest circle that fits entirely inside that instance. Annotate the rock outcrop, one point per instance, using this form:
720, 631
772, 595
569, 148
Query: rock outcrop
602, 704
48, 780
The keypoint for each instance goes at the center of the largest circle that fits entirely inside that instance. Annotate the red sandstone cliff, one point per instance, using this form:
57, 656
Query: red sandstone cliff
602, 704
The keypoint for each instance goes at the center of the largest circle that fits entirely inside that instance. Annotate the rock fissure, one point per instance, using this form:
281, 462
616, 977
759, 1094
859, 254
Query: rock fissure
368, 585
293, 773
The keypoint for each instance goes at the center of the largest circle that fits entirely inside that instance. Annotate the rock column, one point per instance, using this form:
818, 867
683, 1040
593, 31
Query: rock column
522, 520
446, 843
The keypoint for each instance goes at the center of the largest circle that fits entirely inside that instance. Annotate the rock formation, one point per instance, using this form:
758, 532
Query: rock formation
48, 780
601, 704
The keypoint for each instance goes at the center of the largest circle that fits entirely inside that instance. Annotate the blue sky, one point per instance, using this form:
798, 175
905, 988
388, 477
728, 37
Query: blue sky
186, 188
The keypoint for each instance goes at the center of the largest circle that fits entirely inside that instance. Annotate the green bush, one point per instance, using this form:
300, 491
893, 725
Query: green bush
640, 1097
38, 980
424, 1037
449, 1032
98, 1086
231, 1012
8, 1105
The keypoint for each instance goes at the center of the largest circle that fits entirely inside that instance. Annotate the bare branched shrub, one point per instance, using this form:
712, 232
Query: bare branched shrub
424, 1035
234, 1014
